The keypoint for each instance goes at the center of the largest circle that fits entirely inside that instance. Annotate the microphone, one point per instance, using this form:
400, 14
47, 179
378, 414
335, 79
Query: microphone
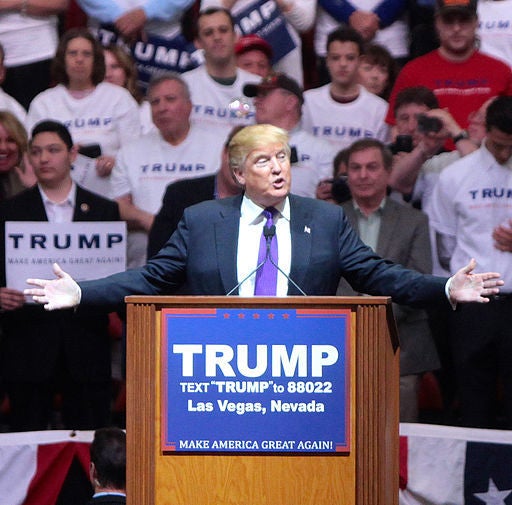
269, 233
231, 291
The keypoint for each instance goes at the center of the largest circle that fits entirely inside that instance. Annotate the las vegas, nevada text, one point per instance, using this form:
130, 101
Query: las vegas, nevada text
282, 364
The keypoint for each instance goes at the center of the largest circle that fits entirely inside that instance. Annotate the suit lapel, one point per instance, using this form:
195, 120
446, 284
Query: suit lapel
301, 228
350, 212
226, 242
387, 226
37, 212
82, 206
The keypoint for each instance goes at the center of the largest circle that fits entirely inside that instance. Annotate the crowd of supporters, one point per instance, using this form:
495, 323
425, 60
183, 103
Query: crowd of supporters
150, 96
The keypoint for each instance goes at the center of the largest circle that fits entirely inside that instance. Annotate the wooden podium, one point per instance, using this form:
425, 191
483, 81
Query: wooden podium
367, 475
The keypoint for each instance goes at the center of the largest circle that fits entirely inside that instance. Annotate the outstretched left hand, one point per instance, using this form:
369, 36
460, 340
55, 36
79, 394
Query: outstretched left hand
466, 286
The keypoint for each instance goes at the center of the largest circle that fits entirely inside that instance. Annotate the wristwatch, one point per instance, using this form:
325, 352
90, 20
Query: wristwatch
462, 135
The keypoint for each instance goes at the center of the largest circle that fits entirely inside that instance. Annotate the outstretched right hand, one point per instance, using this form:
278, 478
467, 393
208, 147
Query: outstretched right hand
60, 293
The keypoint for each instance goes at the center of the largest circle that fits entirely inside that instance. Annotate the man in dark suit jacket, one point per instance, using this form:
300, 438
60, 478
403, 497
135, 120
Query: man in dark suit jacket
67, 350
401, 235
216, 246
108, 467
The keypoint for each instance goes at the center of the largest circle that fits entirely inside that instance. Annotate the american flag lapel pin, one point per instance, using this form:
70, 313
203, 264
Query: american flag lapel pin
307, 229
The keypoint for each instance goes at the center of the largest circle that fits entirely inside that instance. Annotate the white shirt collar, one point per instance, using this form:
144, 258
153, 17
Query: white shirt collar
70, 198
488, 156
250, 212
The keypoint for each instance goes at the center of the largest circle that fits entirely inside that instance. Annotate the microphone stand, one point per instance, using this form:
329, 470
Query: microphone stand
269, 233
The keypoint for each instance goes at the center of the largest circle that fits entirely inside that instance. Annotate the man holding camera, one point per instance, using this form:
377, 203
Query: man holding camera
416, 173
422, 129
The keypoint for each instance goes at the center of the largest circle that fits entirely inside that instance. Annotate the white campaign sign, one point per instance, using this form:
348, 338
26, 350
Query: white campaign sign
86, 250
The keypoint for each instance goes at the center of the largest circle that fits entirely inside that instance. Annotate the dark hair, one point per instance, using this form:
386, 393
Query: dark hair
53, 127
499, 114
346, 34
108, 453
375, 54
363, 144
341, 157
209, 12
59, 73
419, 95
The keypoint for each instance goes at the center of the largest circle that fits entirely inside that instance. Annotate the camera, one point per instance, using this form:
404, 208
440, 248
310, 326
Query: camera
428, 124
340, 190
402, 144
90, 150
294, 156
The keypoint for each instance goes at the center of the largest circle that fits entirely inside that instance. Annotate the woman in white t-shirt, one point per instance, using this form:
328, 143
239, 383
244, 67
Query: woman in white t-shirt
120, 69
97, 113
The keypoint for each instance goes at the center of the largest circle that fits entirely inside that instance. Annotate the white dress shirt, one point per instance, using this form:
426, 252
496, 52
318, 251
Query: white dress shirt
249, 235
60, 212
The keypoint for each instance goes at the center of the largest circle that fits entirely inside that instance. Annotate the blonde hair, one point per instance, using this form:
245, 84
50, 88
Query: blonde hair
253, 137
16, 130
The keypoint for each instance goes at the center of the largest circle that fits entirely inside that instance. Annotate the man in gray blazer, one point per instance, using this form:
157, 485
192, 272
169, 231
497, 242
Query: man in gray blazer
217, 243
398, 233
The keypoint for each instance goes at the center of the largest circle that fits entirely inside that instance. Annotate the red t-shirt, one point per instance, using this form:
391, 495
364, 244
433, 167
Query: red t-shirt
462, 87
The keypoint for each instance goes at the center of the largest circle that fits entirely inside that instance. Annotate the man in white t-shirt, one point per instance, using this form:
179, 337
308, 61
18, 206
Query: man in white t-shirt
177, 150
378, 21
278, 101
472, 200
343, 111
216, 87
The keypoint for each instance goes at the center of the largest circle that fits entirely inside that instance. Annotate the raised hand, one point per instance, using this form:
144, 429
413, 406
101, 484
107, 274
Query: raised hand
60, 293
466, 286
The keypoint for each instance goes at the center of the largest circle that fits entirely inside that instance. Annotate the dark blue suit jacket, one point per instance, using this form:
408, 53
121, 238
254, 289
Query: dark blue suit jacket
201, 256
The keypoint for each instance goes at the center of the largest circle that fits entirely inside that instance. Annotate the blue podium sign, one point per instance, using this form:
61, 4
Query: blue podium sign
255, 380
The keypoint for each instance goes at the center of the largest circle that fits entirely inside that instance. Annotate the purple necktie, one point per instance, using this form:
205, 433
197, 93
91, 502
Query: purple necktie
266, 276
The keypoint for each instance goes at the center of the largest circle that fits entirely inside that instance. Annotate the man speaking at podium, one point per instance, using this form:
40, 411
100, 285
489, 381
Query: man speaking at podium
266, 242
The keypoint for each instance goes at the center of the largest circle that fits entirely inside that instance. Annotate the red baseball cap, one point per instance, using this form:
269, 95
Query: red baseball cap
467, 7
252, 42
